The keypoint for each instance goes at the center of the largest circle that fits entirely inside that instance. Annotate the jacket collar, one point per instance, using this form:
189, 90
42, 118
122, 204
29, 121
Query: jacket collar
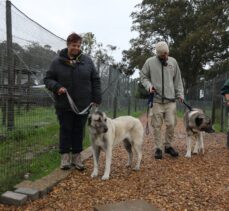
63, 57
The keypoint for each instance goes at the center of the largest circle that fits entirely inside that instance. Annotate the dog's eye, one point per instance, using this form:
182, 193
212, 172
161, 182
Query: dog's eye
99, 120
105, 120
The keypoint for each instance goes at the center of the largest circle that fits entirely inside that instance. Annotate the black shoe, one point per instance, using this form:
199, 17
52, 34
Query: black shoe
158, 154
171, 151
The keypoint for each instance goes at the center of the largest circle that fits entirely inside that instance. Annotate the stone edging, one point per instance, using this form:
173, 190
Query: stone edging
32, 190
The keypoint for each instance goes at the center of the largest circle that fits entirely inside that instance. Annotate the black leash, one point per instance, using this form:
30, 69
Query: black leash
149, 106
173, 100
188, 106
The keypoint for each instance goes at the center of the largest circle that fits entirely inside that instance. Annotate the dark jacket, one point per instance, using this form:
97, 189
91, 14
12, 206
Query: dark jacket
225, 88
78, 76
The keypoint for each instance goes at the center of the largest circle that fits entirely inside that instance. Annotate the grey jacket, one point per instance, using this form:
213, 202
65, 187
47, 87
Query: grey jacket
166, 79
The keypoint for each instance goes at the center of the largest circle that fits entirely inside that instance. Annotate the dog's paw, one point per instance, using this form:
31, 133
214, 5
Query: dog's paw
136, 168
105, 177
195, 152
202, 150
94, 174
188, 155
128, 165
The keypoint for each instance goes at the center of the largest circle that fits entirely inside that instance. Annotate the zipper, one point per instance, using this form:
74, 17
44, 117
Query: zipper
72, 80
163, 91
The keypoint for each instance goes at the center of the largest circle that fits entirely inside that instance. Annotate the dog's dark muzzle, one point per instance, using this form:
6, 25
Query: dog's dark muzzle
209, 130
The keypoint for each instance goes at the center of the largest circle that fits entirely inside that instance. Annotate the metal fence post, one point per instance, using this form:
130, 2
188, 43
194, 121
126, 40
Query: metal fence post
10, 69
135, 99
109, 98
222, 116
128, 92
213, 102
115, 100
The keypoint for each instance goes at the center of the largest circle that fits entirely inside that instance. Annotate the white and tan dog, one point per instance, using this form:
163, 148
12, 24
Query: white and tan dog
196, 122
106, 132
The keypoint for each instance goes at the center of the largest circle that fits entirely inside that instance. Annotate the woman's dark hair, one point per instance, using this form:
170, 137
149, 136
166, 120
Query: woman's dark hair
73, 37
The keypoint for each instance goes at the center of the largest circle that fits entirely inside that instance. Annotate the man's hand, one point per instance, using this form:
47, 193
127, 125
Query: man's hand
181, 100
61, 91
227, 99
152, 89
95, 104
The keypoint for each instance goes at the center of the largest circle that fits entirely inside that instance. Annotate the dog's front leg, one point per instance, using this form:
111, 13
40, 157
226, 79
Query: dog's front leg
197, 146
189, 147
138, 149
108, 163
96, 153
201, 142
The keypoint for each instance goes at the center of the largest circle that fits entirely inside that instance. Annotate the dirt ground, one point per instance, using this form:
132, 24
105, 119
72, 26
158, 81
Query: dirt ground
199, 183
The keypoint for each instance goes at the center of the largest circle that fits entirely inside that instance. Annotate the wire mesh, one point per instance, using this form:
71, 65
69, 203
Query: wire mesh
29, 127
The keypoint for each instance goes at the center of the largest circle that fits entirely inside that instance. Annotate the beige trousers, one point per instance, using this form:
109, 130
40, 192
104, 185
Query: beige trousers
160, 113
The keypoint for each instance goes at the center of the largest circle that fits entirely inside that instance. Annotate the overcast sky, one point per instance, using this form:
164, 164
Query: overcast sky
109, 20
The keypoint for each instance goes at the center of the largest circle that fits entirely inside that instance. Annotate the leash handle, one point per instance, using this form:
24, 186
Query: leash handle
74, 107
150, 100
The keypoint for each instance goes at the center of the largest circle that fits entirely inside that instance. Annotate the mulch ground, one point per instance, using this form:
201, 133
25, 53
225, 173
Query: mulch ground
199, 183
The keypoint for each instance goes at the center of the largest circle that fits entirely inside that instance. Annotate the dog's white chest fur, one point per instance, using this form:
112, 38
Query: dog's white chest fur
100, 141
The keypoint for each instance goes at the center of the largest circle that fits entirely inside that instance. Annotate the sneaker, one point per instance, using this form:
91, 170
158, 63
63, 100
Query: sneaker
171, 151
65, 161
158, 154
77, 162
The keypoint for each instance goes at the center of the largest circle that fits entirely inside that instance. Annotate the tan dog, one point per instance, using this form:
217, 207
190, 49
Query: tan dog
196, 122
106, 132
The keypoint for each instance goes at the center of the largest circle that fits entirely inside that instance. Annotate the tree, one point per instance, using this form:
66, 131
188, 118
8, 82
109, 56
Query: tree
101, 56
88, 43
197, 32
38, 57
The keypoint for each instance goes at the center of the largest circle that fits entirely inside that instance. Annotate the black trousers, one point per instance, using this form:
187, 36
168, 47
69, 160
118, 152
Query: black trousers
71, 131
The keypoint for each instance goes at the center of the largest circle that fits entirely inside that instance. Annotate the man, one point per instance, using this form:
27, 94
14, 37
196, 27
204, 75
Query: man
161, 75
225, 93
74, 72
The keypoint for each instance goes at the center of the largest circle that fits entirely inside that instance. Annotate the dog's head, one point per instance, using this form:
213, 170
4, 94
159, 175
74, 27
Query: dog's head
97, 121
197, 120
204, 123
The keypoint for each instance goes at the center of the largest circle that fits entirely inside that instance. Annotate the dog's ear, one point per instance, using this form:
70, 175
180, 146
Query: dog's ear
89, 120
104, 115
199, 120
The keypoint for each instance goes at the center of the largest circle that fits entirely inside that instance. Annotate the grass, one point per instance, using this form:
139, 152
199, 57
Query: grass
124, 113
217, 128
30, 148
180, 114
44, 165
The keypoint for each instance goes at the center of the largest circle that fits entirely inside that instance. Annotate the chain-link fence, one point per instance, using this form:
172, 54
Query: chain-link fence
29, 128
206, 95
